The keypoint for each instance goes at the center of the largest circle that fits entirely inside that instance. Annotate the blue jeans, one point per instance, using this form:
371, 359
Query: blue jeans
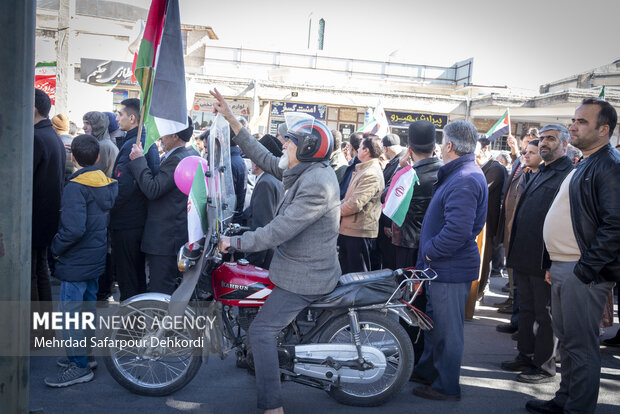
78, 297
443, 345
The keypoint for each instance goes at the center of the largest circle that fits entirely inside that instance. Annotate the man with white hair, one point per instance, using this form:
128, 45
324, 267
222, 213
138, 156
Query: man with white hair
455, 216
536, 360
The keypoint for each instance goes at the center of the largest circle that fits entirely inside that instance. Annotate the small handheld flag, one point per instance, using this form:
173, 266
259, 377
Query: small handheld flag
197, 208
399, 194
501, 127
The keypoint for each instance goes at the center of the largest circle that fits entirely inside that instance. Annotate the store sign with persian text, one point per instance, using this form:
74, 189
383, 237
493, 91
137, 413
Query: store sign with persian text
403, 119
317, 111
106, 72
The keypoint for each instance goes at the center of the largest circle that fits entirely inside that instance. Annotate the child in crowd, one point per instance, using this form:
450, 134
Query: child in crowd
80, 250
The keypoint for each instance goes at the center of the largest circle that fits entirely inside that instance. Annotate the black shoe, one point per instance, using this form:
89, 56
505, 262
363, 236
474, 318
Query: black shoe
535, 376
428, 392
515, 336
543, 407
506, 328
506, 309
507, 302
520, 363
613, 342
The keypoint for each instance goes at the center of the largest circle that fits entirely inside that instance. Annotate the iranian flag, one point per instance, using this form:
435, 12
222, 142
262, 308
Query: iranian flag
399, 194
378, 123
160, 71
197, 208
501, 127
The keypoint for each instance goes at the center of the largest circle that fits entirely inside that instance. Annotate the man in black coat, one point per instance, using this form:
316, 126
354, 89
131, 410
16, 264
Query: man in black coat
129, 213
47, 184
536, 359
582, 236
165, 230
495, 175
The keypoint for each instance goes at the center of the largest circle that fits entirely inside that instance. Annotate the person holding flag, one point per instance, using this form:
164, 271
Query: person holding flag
408, 206
166, 219
129, 212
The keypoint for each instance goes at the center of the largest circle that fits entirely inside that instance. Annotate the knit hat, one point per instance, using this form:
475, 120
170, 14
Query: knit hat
422, 133
186, 134
60, 123
391, 139
113, 125
272, 144
99, 124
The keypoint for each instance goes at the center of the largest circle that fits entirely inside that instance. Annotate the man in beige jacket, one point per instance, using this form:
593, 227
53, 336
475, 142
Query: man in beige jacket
360, 209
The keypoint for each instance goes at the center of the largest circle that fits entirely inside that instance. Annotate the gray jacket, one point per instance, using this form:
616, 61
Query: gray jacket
305, 229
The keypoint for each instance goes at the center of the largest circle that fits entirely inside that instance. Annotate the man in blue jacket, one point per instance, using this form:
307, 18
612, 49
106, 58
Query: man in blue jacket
128, 216
455, 216
80, 246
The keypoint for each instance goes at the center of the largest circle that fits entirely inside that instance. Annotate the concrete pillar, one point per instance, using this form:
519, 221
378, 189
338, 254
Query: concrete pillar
17, 34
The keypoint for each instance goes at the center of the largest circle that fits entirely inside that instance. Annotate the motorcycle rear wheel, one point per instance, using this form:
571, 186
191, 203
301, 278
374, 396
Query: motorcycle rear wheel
382, 332
151, 370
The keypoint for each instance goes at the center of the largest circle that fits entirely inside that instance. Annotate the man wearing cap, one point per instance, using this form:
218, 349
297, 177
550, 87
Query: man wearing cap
303, 234
96, 124
265, 199
406, 238
60, 123
165, 230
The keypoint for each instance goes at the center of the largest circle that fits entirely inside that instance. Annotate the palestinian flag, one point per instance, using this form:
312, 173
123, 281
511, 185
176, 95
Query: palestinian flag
378, 123
501, 127
160, 71
399, 194
197, 208
602, 94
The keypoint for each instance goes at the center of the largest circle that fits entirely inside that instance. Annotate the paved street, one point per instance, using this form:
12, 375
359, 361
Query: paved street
219, 387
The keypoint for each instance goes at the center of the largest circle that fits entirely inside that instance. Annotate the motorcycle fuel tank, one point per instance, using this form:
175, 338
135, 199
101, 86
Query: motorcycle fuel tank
241, 284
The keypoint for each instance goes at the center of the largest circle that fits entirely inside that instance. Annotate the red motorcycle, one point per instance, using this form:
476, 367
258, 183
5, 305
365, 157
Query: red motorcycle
349, 343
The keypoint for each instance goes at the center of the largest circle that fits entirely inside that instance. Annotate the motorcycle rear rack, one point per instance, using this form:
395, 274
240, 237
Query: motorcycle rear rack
411, 276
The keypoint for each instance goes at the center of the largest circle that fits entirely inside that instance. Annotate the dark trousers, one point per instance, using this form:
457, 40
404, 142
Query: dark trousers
163, 273
40, 288
354, 253
280, 309
129, 262
106, 279
443, 345
535, 306
577, 312
485, 265
384, 244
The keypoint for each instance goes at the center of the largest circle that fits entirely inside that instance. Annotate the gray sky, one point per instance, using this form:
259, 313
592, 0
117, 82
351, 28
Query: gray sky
519, 43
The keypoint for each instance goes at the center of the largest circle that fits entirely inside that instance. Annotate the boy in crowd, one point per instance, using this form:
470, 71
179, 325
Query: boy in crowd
80, 249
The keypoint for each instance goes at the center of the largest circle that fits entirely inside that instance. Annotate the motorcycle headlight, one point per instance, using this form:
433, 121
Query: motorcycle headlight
183, 263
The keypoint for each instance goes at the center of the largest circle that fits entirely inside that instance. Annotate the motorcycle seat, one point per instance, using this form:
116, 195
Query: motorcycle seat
363, 277
360, 289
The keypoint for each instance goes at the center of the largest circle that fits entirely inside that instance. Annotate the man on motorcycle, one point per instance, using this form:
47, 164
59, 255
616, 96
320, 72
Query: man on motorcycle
303, 233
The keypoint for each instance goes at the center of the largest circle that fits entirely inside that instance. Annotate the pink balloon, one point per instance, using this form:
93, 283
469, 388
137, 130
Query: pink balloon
185, 171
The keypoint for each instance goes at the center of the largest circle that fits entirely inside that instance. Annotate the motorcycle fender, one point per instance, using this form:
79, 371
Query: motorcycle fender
405, 315
155, 297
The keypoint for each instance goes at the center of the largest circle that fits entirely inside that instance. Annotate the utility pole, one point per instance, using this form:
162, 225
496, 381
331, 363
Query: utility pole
17, 34
64, 70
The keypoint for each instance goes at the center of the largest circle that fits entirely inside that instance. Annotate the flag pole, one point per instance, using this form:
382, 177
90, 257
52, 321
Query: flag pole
509, 126
143, 105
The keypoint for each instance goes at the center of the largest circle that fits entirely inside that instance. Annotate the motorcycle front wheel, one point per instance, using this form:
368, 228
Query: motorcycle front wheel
154, 362
380, 331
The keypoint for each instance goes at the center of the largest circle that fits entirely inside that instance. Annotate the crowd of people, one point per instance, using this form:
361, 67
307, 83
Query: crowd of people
314, 207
